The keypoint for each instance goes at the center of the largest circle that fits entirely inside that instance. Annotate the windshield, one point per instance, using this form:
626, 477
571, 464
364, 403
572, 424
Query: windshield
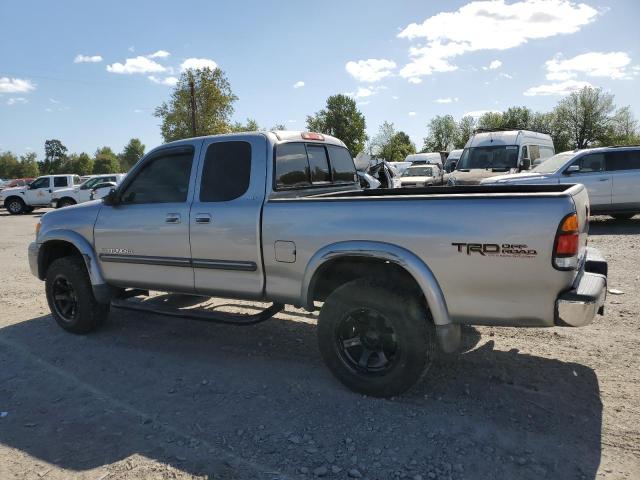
91, 182
553, 164
418, 172
501, 157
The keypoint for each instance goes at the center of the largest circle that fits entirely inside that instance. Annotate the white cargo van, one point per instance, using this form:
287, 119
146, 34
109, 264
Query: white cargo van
496, 152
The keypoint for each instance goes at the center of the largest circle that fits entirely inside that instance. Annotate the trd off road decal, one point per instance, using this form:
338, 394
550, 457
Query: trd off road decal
495, 249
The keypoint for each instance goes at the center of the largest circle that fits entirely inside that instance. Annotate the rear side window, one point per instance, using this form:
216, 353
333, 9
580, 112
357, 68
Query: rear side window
292, 167
226, 172
163, 179
625, 160
318, 164
342, 166
60, 182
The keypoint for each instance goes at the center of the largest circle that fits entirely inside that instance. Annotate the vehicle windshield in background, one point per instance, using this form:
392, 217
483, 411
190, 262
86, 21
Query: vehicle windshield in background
552, 164
92, 181
418, 172
501, 157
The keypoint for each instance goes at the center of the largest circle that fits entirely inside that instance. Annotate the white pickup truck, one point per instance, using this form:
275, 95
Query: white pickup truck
93, 188
37, 194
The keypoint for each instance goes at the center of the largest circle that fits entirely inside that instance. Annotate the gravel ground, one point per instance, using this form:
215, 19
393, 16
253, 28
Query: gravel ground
155, 397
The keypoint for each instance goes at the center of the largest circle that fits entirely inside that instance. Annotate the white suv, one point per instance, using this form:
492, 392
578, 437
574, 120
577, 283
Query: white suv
611, 175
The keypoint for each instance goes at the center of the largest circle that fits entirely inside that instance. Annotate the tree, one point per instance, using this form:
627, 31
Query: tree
399, 147
28, 166
250, 126
278, 126
490, 120
8, 165
586, 115
213, 100
466, 126
517, 118
133, 151
623, 129
380, 143
54, 154
105, 161
442, 134
342, 119
80, 164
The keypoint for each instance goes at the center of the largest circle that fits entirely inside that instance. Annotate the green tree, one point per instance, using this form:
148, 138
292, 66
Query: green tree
8, 165
28, 166
278, 126
105, 161
399, 147
213, 105
517, 118
80, 164
466, 126
586, 115
490, 120
379, 145
623, 129
133, 151
441, 135
547, 122
250, 126
342, 119
54, 154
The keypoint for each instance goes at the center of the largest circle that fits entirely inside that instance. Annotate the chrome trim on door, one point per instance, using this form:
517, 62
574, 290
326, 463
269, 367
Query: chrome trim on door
180, 262
224, 265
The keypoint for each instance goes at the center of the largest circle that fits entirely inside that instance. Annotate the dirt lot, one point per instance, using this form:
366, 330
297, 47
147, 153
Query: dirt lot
155, 397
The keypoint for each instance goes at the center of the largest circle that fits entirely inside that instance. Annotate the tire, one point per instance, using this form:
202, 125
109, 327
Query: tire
66, 202
80, 312
623, 216
361, 308
29, 209
15, 206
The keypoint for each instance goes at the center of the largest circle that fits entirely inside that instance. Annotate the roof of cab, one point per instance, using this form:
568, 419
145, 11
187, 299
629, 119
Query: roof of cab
506, 137
276, 136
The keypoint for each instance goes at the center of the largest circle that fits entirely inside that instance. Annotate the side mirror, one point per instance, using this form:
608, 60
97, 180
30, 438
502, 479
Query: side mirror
572, 169
111, 199
526, 163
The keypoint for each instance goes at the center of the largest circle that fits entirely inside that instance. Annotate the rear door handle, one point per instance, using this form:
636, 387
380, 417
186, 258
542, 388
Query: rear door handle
604, 179
172, 218
203, 218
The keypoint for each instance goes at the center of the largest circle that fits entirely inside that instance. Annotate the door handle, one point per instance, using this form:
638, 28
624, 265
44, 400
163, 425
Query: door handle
603, 179
172, 218
203, 218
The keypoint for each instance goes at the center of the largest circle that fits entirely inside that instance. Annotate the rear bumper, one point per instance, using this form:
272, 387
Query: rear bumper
578, 307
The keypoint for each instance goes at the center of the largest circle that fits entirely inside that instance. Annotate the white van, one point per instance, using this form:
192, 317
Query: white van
430, 158
496, 152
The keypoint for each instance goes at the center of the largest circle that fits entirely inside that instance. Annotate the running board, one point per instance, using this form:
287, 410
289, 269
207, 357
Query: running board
202, 315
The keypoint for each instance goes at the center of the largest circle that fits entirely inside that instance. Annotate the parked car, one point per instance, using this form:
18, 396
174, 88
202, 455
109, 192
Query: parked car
431, 158
38, 193
16, 182
611, 175
244, 216
94, 187
495, 152
421, 176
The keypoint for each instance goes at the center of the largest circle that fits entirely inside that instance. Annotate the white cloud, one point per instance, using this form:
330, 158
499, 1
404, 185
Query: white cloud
363, 102
364, 92
447, 100
412, 114
159, 54
415, 80
138, 64
593, 64
48, 109
371, 70
53, 100
558, 88
493, 65
169, 81
17, 100
395, 97
298, 84
15, 85
137, 110
292, 121
87, 58
506, 75
478, 113
198, 63
488, 25
131, 49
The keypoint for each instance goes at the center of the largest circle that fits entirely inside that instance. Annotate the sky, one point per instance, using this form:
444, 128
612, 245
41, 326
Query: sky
92, 73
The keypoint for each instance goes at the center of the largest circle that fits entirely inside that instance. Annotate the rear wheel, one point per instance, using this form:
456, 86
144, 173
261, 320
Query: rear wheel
623, 216
70, 296
375, 338
65, 202
15, 206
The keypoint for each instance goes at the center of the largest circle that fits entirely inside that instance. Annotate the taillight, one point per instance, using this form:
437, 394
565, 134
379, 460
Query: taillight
312, 136
567, 244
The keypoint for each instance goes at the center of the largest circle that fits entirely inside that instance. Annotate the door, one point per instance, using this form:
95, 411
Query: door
225, 217
592, 174
624, 167
143, 239
39, 192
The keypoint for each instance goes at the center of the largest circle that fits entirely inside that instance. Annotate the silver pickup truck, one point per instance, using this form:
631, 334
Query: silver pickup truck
279, 217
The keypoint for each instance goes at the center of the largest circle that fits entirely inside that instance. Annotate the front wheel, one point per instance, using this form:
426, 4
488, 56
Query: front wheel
376, 338
70, 296
15, 206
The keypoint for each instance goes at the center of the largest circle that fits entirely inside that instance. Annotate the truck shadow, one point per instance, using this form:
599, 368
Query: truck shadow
611, 226
209, 398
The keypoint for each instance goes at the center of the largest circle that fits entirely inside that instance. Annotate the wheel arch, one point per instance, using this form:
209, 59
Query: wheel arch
9, 198
68, 199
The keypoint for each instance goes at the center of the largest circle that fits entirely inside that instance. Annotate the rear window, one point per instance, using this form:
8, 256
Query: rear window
226, 172
303, 165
